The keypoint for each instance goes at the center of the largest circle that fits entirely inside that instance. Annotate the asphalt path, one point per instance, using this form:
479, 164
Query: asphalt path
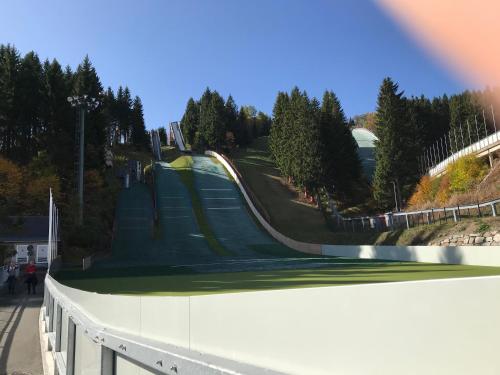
19, 336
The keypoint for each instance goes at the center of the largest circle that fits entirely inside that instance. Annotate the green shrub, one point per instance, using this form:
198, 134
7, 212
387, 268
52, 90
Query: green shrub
466, 173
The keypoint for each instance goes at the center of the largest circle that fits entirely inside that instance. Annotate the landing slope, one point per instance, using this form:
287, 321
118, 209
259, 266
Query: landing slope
201, 212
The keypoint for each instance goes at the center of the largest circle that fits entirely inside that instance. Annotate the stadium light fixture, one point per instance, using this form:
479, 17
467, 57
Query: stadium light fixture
83, 104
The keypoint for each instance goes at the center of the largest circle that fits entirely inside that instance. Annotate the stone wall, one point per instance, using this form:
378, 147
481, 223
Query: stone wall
472, 239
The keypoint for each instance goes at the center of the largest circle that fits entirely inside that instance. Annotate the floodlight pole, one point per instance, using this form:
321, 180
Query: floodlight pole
81, 164
83, 103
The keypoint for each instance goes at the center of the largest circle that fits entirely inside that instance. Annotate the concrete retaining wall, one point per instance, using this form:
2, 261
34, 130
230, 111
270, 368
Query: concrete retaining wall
425, 327
471, 255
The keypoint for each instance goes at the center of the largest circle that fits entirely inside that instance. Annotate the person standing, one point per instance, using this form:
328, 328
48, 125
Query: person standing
31, 279
11, 277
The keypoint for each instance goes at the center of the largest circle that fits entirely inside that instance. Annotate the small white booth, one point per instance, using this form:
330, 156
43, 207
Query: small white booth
28, 236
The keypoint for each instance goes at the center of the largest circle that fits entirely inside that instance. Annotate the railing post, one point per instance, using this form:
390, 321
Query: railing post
70, 354
58, 327
493, 210
454, 216
389, 220
407, 222
51, 313
107, 361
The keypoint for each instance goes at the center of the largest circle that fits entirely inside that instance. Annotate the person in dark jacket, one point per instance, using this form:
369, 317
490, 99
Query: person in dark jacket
11, 278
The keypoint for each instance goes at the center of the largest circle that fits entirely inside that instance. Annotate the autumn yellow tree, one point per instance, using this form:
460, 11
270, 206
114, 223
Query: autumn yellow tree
423, 192
11, 178
37, 192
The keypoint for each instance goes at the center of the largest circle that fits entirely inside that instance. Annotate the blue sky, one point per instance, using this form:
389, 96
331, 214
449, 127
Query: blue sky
169, 50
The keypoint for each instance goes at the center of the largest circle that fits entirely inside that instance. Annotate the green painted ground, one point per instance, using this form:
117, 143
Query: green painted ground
172, 281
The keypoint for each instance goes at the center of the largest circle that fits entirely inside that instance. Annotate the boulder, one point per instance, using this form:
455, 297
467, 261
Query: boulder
478, 240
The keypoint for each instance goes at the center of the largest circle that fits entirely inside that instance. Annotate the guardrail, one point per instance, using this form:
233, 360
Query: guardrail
480, 147
398, 220
296, 331
80, 343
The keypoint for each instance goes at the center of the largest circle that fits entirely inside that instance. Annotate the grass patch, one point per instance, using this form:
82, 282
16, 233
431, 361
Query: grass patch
170, 153
122, 153
175, 282
286, 213
183, 165
483, 227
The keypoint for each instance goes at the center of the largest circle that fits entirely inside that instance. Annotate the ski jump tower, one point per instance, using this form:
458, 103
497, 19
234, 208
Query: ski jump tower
175, 129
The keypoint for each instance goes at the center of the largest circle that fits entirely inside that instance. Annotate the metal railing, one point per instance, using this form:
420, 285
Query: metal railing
478, 147
74, 335
406, 220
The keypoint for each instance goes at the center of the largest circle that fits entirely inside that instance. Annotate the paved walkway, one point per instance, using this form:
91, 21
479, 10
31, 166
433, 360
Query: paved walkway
19, 337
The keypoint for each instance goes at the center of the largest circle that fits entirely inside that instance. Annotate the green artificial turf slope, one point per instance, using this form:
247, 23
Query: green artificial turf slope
179, 282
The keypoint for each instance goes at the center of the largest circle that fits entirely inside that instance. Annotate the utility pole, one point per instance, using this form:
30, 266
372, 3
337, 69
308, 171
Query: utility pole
83, 103
395, 195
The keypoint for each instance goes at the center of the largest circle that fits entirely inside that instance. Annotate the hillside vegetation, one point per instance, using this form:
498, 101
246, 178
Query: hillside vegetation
295, 217
468, 180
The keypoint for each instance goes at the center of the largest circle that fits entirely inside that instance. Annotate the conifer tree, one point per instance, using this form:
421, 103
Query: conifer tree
139, 135
200, 140
390, 148
30, 94
59, 119
277, 136
340, 159
190, 121
215, 131
292, 137
242, 133
309, 169
231, 117
9, 107
109, 113
87, 83
162, 133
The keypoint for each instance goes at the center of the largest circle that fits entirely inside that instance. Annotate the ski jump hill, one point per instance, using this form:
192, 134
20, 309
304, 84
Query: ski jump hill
210, 287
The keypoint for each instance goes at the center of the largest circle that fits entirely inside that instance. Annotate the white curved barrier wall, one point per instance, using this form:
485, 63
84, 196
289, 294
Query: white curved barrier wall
425, 327
471, 255
291, 243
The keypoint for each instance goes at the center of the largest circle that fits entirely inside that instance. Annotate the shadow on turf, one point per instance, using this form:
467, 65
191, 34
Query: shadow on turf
159, 280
